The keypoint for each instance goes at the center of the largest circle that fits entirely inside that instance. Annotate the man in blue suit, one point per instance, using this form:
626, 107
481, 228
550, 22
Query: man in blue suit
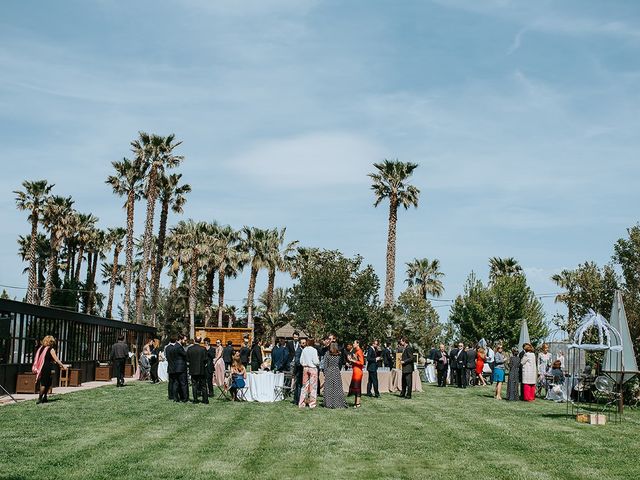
279, 357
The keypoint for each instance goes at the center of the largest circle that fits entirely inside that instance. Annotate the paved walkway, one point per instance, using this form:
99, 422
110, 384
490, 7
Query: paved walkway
21, 397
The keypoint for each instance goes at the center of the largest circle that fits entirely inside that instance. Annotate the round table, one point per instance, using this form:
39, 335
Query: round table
163, 376
261, 386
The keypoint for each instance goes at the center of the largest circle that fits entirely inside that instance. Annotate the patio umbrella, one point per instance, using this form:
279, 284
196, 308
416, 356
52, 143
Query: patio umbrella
524, 334
621, 364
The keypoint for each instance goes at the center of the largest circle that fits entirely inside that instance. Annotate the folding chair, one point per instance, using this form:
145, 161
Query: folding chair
225, 394
283, 392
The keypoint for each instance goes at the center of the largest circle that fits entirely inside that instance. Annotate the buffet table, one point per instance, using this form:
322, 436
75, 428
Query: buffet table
388, 380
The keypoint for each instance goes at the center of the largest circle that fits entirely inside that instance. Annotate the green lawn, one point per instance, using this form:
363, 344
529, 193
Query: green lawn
135, 432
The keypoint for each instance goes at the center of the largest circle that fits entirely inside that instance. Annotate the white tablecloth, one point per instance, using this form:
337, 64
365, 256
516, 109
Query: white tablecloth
430, 373
262, 386
162, 371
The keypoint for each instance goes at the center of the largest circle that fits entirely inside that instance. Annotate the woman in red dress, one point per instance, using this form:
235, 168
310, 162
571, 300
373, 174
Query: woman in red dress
357, 363
480, 366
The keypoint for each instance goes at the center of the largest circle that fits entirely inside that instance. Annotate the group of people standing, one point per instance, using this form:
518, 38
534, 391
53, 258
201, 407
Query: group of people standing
468, 365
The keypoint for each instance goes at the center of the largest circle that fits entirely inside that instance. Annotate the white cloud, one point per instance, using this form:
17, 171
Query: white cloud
310, 160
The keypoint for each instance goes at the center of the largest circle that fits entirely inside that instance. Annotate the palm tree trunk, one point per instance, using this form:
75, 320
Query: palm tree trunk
157, 270
51, 267
93, 289
270, 287
87, 283
193, 290
32, 286
112, 283
70, 259
146, 253
174, 283
42, 266
129, 256
79, 264
391, 253
221, 278
208, 298
250, 295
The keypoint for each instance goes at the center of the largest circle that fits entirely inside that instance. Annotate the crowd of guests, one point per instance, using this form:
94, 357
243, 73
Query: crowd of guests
480, 365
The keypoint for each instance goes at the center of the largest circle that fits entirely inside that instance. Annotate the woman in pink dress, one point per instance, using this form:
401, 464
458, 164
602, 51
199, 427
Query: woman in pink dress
218, 364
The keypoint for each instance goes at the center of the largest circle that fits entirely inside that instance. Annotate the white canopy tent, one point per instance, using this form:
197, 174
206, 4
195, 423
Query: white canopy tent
621, 365
524, 333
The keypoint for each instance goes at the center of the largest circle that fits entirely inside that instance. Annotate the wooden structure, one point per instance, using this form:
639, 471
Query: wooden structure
82, 340
26, 383
236, 335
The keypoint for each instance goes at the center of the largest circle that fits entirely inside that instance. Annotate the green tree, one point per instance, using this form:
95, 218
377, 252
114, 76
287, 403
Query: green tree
336, 294
627, 256
588, 287
390, 182
114, 239
415, 318
495, 312
255, 241
33, 199
425, 276
500, 267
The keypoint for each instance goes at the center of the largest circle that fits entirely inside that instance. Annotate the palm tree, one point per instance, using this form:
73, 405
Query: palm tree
190, 239
33, 199
172, 196
503, 267
84, 229
255, 242
96, 246
567, 280
390, 182
115, 237
56, 217
42, 257
156, 153
425, 275
127, 182
276, 313
278, 260
232, 260
211, 266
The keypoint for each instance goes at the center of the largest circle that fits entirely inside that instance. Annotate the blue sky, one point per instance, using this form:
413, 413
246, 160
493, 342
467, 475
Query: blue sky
523, 117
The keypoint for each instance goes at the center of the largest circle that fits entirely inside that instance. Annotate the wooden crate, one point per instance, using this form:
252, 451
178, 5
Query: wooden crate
75, 377
128, 370
103, 373
26, 383
582, 418
597, 419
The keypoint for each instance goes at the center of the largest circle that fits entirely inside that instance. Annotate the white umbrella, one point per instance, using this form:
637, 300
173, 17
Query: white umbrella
621, 363
524, 334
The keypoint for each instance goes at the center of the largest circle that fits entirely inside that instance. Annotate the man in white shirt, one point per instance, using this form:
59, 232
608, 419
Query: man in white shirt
309, 361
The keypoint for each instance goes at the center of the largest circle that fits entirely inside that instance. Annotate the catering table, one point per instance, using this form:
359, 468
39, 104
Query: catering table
162, 371
261, 386
388, 380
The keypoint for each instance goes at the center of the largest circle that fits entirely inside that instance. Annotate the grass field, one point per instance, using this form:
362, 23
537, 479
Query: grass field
136, 433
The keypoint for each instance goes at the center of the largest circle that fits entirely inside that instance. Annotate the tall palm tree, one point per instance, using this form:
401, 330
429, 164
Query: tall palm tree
156, 153
503, 267
192, 244
96, 246
231, 261
255, 242
172, 196
279, 259
567, 280
425, 275
390, 181
115, 238
276, 314
56, 214
33, 199
42, 257
84, 230
127, 182
211, 267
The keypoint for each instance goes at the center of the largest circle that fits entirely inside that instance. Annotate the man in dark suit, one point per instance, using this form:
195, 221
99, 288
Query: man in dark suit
170, 365
387, 356
256, 355
298, 370
245, 353
460, 359
119, 356
211, 356
441, 359
407, 361
227, 354
292, 347
179, 358
279, 357
372, 368
197, 358
471, 364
